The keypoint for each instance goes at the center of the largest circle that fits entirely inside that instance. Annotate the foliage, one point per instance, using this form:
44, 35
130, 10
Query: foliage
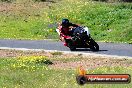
34, 59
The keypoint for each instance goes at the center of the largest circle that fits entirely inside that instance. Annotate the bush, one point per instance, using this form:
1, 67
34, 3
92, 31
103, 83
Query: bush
34, 59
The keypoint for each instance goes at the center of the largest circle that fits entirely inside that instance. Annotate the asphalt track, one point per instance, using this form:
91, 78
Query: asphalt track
118, 49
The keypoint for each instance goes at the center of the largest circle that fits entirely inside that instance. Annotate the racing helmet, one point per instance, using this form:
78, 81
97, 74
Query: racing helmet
65, 22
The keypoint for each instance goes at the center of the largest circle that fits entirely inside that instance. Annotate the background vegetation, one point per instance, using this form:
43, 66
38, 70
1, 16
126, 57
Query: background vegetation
27, 19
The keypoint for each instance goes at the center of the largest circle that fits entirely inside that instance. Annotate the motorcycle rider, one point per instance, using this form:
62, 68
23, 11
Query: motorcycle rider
65, 31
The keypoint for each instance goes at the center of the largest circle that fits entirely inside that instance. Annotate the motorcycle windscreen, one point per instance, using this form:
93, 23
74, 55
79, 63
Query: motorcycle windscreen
87, 30
81, 30
77, 30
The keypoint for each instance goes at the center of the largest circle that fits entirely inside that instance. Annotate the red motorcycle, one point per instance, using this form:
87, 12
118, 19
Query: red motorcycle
80, 38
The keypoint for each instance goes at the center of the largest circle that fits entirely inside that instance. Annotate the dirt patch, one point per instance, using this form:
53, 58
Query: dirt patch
92, 63
70, 61
17, 53
23, 9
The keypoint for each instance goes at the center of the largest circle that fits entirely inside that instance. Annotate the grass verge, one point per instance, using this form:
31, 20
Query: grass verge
15, 73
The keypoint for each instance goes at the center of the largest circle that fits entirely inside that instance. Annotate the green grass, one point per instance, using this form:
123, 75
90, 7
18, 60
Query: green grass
105, 20
37, 20
57, 53
14, 73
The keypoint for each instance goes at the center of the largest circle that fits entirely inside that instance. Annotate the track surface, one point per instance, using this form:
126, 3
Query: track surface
105, 48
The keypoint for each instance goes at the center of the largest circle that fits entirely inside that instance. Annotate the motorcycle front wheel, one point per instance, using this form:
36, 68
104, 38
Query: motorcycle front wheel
93, 45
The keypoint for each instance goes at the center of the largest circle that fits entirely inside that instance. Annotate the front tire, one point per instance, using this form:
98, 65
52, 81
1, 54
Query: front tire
93, 45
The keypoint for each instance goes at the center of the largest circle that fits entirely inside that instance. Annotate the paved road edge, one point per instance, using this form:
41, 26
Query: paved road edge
69, 52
